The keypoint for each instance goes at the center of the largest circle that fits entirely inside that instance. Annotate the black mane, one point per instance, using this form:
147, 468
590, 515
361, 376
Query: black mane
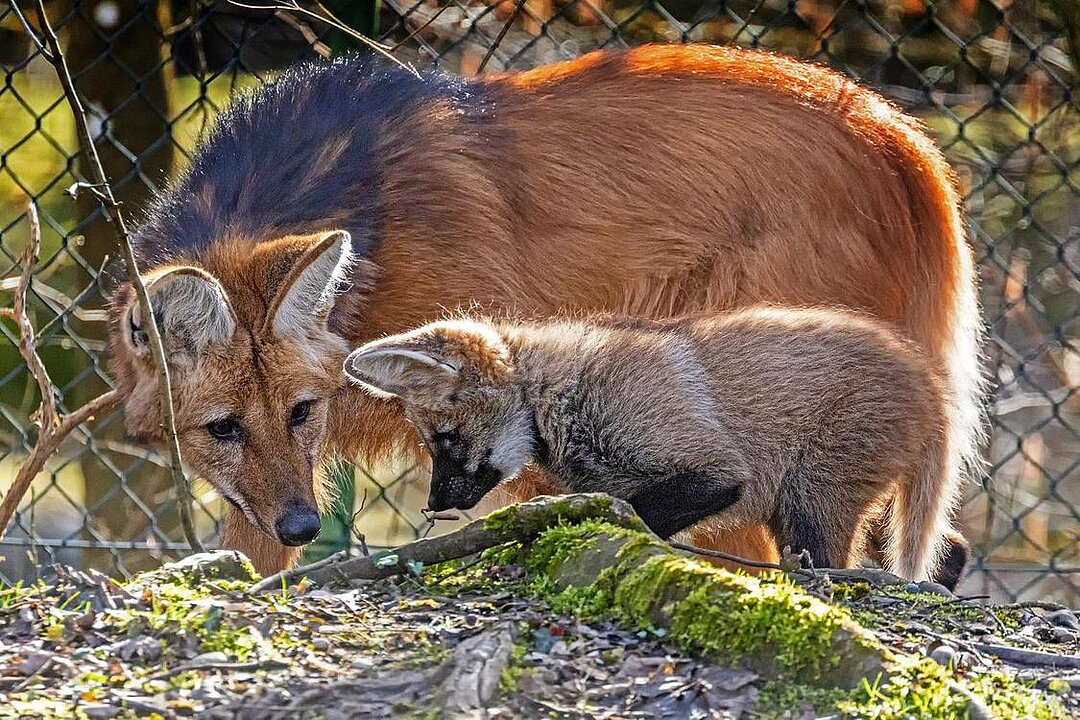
256, 176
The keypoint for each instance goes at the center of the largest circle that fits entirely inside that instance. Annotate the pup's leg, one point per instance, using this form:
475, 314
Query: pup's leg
681, 500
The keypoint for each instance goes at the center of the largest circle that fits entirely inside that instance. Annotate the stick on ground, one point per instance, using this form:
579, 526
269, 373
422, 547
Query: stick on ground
515, 523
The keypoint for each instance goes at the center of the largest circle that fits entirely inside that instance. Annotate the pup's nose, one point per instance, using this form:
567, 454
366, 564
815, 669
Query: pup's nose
298, 526
436, 503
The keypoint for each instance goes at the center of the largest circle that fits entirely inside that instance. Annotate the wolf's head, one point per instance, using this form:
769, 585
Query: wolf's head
253, 367
457, 383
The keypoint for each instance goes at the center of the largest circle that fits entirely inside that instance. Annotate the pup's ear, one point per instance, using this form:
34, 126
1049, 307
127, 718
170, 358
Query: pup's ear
412, 373
308, 293
191, 309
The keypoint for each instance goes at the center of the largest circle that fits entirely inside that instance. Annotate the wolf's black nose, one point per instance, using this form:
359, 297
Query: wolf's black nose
298, 526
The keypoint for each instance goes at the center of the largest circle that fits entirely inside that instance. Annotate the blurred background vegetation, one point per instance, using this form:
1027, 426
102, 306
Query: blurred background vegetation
993, 81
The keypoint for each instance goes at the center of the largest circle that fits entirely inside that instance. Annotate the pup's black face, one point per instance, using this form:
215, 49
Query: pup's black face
454, 486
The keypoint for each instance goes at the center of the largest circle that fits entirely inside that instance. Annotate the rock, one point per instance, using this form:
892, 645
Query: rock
321, 644
944, 656
544, 640
143, 648
210, 658
1062, 635
33, 662
217, 565
934, 588
1064, 618
105, 712
477, 665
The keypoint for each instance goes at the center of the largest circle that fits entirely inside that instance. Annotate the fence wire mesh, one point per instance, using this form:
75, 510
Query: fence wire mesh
992, 81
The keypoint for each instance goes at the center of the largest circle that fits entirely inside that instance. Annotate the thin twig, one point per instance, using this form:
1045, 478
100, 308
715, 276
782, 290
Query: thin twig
431, 517
309, 35
360, 537
103, 191
518, 5
53, 426
332, 21
726, 556
30, 31
422, 27
226, 666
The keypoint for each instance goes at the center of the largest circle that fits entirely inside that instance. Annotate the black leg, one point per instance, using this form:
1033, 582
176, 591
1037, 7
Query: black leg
953, 564
802, 525
679, 501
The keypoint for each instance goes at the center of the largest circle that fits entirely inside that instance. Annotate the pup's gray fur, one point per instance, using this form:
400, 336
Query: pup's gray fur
809, 421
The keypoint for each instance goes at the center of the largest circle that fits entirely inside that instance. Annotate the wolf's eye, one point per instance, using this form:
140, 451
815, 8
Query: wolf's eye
300, 412
225, 430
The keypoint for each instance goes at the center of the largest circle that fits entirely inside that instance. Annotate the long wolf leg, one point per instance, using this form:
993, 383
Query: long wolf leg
681, 500
953, 563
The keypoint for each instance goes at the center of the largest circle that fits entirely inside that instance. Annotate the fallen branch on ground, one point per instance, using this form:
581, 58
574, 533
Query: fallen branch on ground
53, 425
519, 523
49, 46
515, 523
1031, 658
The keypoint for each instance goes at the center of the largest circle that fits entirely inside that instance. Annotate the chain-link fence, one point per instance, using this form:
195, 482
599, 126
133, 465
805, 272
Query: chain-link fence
993, 82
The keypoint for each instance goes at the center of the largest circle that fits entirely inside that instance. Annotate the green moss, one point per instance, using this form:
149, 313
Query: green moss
515, 523
553, 547
781, 700
511, 674
734, 615
770, 621
920, 688
511, 522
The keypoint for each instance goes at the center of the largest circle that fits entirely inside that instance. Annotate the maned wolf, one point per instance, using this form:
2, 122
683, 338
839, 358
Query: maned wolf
651, 182
805, 421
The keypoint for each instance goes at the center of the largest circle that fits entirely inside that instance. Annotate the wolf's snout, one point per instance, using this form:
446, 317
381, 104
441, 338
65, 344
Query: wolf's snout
298, 526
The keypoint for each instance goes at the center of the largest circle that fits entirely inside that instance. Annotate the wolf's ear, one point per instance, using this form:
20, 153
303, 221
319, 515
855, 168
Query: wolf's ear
411, 373
191, 309
307, 294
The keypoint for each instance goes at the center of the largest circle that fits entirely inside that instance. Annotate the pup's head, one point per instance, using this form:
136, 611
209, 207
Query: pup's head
253, 369
457, 383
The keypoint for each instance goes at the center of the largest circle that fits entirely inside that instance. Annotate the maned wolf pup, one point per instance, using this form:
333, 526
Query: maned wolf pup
807, 421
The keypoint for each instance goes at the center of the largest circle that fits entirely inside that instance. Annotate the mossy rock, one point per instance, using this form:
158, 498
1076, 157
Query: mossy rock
215, 566
771, 627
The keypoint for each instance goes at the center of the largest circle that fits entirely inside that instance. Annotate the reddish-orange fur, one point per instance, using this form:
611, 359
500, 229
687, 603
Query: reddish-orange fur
653, 182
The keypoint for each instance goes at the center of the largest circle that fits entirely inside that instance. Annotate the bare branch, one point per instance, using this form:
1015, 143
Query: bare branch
423, 26
103, 191
53, 427
305, 31
515, 523
331, 20
518, 5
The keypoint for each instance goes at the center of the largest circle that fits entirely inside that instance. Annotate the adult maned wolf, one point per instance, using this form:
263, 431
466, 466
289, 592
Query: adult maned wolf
345, 201
807, 421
